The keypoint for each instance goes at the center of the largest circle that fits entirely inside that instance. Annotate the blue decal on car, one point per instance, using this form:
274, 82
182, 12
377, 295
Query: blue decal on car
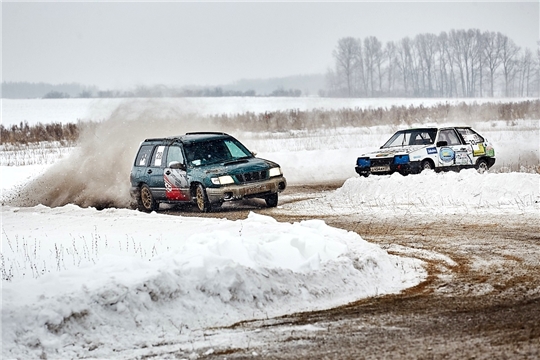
447, 155
431, 150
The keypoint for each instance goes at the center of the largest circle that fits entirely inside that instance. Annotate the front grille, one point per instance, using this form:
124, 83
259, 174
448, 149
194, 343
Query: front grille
381, 162
252, 176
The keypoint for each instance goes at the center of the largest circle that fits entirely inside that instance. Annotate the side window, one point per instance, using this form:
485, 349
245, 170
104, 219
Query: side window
144, 155
450, 137
157, 158
422, 138
174, 154
470, 136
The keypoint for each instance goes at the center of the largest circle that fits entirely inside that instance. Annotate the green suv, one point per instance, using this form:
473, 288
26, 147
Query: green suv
204, 168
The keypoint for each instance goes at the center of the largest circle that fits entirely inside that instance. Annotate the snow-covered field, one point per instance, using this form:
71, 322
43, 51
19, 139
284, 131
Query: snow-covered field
117, 283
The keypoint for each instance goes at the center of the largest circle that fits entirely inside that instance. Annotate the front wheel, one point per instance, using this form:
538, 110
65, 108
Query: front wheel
482, 166
271, 200
202, 199
146, 202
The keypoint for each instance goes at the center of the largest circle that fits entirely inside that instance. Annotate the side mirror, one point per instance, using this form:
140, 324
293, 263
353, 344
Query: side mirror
177, 165
254, 153
442, 143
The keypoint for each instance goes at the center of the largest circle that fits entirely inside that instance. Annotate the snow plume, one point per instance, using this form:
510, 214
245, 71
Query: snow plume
97, 172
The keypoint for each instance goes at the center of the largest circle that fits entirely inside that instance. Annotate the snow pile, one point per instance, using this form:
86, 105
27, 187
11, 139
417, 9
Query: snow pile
441, 192
89, 283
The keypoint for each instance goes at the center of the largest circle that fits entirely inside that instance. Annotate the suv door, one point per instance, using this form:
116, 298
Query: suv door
175, 175
454, 152
155, 171
142, 160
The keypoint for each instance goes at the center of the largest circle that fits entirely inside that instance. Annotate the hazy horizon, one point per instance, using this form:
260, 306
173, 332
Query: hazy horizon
121, 45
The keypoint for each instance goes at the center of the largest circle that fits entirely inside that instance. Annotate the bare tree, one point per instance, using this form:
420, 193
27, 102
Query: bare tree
492, 56
390, 52
448, 58
526, 64
346, 54
509, 51
372, 60
404, 62
427, 46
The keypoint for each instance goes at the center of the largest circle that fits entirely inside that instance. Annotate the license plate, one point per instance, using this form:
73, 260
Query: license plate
256, 189
380, 168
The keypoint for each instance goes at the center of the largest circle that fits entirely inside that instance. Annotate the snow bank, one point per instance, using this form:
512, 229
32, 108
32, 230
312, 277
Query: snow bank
430, 192
89, 283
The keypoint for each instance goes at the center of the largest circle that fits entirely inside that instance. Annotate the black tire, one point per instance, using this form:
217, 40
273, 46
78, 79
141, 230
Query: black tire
271, 200
482, 166
426, 165
202, 199
146, 201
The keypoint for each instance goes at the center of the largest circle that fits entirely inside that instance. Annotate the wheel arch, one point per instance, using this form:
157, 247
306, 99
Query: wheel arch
489, 160
193, 189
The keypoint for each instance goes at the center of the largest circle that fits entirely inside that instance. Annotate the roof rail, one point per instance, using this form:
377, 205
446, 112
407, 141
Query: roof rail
206, 132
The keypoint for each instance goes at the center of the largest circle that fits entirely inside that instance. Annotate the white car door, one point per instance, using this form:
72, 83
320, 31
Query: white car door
455, 152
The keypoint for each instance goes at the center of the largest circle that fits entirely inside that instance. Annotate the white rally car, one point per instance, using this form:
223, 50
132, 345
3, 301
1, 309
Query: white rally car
441, 149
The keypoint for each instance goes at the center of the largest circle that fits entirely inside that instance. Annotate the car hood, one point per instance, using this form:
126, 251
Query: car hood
391, 152
238, 166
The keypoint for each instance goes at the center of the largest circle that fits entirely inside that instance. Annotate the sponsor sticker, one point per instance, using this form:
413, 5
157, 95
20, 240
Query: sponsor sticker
431, 150
446, 155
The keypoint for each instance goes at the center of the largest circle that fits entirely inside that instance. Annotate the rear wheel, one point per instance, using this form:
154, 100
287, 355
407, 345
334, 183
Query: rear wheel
271, 200
202, 199
426, 165
146, 202
482, 166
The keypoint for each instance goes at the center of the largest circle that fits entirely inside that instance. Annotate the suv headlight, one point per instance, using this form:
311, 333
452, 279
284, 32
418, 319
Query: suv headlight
223, 180
276, 171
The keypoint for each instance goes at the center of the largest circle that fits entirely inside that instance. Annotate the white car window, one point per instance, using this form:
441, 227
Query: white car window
450, 137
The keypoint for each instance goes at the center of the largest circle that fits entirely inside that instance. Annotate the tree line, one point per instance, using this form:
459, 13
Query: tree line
23, 133
459, 63
18, 90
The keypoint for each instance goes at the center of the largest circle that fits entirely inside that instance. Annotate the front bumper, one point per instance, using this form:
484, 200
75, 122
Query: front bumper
250, 190
404, 169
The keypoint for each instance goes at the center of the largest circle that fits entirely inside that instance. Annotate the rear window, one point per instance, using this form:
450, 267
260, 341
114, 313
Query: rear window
144, 155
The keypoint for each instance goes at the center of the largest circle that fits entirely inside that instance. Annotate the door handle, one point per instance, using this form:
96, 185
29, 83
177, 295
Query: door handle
149, 171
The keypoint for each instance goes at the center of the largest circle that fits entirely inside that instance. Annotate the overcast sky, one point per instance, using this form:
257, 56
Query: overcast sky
118, 44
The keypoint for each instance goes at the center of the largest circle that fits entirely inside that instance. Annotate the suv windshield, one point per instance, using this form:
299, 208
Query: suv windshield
215, 151
412, 137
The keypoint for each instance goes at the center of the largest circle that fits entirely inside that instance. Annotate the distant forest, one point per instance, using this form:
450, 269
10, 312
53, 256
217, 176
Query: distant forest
26, 90
460, 63
455, 64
